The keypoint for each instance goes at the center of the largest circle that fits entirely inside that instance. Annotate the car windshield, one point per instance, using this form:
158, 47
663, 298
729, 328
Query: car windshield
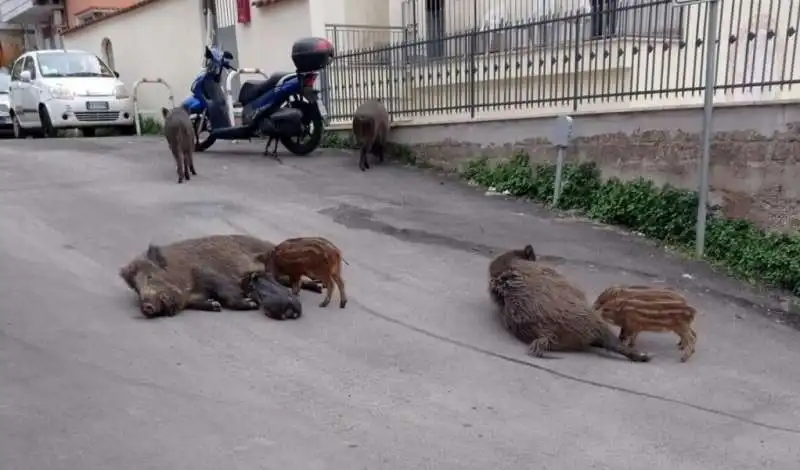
72, 64
5, 81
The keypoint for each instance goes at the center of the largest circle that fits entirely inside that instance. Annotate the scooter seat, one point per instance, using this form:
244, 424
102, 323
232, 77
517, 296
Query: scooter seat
252, 89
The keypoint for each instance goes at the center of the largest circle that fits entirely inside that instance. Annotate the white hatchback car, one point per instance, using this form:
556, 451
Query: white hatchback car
61, 89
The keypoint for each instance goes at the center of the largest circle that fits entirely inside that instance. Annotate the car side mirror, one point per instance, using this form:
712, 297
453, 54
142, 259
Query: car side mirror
25, 76
116, 74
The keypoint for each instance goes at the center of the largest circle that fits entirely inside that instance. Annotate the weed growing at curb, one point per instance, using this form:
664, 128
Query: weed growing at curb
151, 126
344, 140
667, 214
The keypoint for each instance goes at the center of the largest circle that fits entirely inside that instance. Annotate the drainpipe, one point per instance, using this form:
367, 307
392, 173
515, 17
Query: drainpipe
38, 37
56, 22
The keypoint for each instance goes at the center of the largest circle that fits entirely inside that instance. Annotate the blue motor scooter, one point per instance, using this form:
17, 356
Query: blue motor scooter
283, 108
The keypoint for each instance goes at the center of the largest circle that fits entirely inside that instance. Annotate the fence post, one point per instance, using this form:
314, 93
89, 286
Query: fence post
577, 60
710, 82
390, 83
471, 56
562, 136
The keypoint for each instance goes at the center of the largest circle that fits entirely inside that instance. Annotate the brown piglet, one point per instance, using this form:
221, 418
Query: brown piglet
314, 257
648, 308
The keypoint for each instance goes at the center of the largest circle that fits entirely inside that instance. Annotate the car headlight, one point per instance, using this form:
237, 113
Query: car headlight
61, 93
121, 92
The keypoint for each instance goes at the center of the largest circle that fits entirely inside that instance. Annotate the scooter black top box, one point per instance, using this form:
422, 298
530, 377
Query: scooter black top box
311, 54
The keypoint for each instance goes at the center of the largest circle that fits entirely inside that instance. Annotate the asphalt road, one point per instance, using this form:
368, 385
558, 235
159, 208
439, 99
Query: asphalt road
416, 373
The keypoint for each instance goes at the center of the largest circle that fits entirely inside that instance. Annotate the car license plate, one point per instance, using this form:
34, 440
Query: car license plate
97, 105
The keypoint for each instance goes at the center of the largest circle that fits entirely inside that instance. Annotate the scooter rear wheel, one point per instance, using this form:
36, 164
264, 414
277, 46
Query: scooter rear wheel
314, 137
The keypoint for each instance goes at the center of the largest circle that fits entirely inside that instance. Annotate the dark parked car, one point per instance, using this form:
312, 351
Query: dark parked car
5, 101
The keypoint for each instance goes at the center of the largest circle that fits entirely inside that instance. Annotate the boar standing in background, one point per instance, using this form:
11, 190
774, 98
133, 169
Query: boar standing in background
541, 308
371, 129
648, 308
198, 273
181, 139
278, 302
314, 257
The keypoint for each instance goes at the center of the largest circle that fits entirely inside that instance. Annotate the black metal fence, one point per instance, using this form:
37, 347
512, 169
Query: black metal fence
472, 56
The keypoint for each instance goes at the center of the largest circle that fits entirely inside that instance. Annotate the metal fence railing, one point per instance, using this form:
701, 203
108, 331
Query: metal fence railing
471, 56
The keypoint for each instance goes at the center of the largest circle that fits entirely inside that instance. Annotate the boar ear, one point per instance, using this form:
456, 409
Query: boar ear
128, 274
529, 253
155, 255
262, 257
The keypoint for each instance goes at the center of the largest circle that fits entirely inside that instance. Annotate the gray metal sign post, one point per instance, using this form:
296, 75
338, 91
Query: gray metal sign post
562, 136
710, 78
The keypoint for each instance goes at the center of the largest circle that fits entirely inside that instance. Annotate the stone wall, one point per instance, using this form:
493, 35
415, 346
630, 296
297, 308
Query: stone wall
755, 161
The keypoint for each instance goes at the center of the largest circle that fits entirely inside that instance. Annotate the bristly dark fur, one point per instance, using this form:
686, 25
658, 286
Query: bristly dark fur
277, 301
198, 273
541, 308
371, 130
179, 133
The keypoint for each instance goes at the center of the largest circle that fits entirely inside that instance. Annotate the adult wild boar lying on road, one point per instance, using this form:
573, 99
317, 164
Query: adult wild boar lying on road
198, 273
541, 307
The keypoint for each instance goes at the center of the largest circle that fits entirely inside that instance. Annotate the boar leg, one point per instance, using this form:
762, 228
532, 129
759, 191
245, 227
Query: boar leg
363, 164
190, 158
378, 151
294, 283
688, 338
545, 342
229, 293
610, 342
231, 296
337, 278
186, 169
328, 284
200, 302
312, 286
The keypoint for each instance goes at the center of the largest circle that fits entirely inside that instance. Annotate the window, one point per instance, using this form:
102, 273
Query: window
17, 68
72, 64
30, 66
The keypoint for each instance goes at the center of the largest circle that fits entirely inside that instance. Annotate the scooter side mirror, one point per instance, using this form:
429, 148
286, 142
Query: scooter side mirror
227, 55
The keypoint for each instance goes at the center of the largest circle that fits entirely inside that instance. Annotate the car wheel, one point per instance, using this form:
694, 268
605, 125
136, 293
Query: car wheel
47, 124
128, 130
88, 131
19, 132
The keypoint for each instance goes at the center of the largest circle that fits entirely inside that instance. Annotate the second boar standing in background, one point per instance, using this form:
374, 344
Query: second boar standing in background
648, 308
180, 137
314, 257
371, 129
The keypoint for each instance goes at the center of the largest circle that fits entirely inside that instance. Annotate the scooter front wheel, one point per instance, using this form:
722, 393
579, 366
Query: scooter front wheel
200, 124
